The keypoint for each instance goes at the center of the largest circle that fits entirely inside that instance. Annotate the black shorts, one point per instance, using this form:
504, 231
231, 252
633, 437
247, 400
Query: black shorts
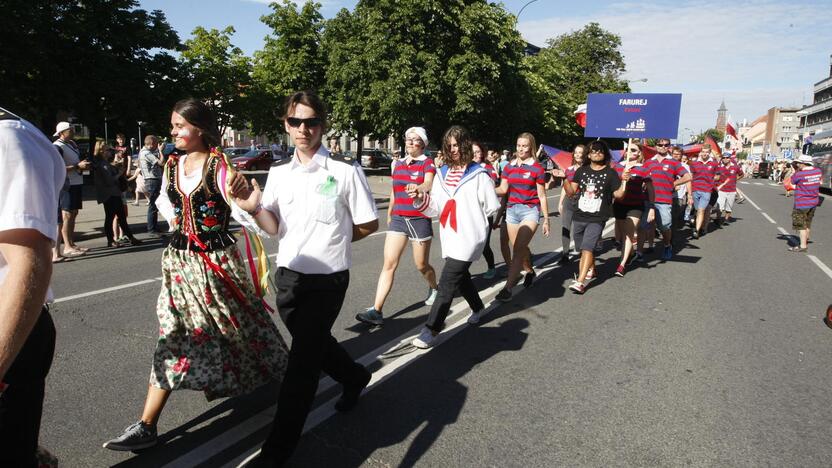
586, 234
627, 211
72, 198
714, 198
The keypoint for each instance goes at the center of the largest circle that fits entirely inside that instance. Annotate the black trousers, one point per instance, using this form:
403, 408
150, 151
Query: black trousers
21, 405
308, 305
455, 279
114, 208
486, 250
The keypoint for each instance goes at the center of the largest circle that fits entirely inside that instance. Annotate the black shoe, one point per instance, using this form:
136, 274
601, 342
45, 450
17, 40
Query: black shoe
564, 259
350, 395
695, 234
504, 295
529, 279
134, 241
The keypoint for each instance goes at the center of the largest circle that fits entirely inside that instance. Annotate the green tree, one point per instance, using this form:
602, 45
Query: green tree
220, 74
713, 133
569, 68
393, 64
62, 56
291, 60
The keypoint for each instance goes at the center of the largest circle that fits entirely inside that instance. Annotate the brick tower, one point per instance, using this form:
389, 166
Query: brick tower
721, 115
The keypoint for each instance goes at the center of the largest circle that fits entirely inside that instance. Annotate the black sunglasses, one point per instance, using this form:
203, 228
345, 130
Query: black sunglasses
311, 122
663, 144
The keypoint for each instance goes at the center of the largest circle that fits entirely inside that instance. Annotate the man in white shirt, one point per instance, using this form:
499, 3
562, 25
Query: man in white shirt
316, 204
151, 162
71, 197
31, 176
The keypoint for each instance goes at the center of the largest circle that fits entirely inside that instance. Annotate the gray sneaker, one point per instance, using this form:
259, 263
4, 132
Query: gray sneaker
136, 436
431, 297
371, 316
424, 340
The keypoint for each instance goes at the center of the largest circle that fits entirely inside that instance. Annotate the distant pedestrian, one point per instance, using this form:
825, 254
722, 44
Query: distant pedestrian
729, 174
595, 184
138, 177
566, 205
108, 192
215, 334
683, 198
72, 195
479, 150
703, 169
122, 162
463, 197
405, 223
151, 162
806, 199
524, 182
31, 176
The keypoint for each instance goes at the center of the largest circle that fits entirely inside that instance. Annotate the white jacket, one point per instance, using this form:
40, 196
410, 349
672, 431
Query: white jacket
463, 212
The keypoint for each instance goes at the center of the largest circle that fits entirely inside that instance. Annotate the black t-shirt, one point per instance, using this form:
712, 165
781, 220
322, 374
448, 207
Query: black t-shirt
595, 188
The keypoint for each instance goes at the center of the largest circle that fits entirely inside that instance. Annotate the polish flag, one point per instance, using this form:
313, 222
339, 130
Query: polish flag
730, 130
580, 115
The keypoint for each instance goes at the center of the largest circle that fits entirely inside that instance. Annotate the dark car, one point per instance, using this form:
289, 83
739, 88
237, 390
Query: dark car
762, 170
236, 151
375, 159
253, 160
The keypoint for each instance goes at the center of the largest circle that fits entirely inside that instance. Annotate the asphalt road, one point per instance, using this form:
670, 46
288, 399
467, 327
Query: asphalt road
715, 358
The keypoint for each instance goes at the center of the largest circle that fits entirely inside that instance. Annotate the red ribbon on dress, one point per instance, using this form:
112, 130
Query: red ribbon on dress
449, 214
220, 271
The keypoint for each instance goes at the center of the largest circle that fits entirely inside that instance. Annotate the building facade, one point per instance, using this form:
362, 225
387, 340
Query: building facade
782, 131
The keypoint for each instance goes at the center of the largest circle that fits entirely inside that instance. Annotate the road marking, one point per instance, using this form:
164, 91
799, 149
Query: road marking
783, 231
106, 290
766, 216
758, 183
213, 447
821, 265
745, 183
752, 202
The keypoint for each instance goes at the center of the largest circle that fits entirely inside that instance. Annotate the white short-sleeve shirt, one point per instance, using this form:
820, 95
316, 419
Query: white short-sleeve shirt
317, 206
31, 176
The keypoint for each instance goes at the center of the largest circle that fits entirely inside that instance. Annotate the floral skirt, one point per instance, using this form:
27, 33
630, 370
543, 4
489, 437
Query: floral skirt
209, 340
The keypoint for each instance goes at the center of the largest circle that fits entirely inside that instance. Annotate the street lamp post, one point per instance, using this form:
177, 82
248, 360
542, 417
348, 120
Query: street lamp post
140, 144
106, 133
517, 17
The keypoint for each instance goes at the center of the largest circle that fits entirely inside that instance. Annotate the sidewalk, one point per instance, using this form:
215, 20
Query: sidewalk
89, 226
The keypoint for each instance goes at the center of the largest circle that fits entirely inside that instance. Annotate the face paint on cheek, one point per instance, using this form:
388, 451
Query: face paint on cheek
184, 134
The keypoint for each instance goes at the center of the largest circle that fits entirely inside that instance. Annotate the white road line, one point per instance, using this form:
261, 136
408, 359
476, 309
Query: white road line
783, 231
766, 216
821, 265
758, 183
745, 183
211, 448
752, 203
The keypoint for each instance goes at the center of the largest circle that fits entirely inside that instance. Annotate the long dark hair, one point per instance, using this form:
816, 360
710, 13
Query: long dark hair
463, 141
198, 114
598, 145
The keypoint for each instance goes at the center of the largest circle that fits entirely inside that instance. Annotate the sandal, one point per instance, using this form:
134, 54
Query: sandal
58, 259
797, 248
73, 253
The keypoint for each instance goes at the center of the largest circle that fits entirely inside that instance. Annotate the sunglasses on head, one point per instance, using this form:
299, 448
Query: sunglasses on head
311, 122
663, 144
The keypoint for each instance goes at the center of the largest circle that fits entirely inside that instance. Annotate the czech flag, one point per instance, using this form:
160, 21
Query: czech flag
561, 158
709, 141
580, 115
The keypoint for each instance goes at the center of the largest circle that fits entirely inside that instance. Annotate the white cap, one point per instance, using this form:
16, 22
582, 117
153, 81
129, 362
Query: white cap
805, 159
420, 132
61, 127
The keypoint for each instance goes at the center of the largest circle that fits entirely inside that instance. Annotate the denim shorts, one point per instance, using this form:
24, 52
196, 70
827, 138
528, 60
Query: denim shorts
701, 200
417, 229
516, 214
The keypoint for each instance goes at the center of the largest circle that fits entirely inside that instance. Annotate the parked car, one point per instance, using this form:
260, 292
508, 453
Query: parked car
253, 160
233, 152
762, 170
375, 159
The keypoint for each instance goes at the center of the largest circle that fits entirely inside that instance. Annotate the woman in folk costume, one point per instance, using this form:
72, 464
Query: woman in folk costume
464, 198
215, 333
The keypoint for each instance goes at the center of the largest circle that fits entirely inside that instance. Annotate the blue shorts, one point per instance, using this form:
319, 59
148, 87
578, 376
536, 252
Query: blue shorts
664, 216
416, 229
701, 200
516, 214
71, 199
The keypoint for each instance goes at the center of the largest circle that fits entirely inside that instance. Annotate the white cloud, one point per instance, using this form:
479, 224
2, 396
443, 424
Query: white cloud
755, 55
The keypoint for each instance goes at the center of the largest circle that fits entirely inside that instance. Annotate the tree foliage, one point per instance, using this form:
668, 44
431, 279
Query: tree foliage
569, 68
65, 55
292, 59
717, 135
220, 74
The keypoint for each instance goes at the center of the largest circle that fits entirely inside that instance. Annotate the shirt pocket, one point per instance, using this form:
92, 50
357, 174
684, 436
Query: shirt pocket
327, 209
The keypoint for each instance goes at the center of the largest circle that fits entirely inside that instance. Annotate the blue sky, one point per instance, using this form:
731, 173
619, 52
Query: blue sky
755, 54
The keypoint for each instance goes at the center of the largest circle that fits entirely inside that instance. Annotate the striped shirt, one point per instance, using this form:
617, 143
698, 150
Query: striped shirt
703, 175
807, 183
523, 180
489, 169
453, 177
570, 173
729, 175
409, 171
634, 194
663, 172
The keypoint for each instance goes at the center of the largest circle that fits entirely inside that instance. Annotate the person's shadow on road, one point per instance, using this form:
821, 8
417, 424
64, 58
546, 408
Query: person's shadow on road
416, 404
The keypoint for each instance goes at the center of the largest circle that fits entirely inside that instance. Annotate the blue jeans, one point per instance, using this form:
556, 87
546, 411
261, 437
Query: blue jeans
517, 214
701, 200
152, 188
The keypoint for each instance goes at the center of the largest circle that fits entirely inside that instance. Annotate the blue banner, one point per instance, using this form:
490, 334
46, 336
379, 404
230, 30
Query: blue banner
633, 115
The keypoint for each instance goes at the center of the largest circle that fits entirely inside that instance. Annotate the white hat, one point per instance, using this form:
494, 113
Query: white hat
805, 159
420, 132
61, 127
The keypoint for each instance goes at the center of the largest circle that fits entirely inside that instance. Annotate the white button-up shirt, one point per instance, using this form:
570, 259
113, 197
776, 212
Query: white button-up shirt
317, 206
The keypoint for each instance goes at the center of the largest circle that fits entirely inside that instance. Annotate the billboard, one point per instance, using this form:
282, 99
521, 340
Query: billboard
636, 115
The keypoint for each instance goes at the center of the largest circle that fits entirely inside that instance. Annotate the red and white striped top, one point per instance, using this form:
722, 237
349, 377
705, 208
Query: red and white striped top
453, 177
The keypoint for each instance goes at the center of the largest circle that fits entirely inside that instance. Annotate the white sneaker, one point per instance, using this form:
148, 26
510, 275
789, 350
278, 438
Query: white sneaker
424, 340
474, 318
431, 297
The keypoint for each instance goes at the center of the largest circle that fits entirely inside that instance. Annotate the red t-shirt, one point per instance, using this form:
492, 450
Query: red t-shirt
634, 194
409, 172
522, 183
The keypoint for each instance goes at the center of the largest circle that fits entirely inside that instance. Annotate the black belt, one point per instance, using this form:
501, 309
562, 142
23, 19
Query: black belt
214, 240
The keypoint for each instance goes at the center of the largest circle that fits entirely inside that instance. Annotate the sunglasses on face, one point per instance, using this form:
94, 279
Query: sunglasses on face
663, 145
311, 122
634, 150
